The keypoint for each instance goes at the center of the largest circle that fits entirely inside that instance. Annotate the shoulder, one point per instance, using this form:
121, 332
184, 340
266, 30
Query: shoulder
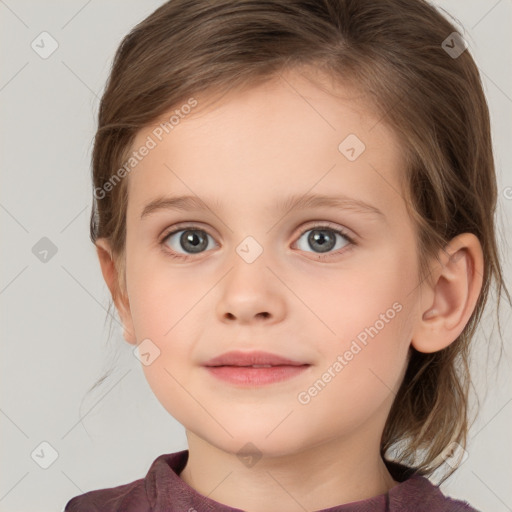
160, 488
124, 498
418, 493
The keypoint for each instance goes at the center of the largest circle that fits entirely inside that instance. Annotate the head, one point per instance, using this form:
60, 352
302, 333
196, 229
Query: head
241, 106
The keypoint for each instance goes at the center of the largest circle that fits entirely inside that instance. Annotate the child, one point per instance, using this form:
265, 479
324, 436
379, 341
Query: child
307, 378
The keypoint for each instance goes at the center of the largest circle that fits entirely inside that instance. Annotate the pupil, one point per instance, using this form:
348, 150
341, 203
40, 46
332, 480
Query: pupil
326, 243
198, 243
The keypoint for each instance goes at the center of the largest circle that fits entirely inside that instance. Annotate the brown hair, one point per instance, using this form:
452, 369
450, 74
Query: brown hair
392, 51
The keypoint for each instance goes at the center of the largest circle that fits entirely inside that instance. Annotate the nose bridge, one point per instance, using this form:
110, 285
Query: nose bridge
250, 236
250, 291
250, 249
249, 265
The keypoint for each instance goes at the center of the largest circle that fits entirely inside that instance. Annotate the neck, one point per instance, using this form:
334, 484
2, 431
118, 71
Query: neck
323, 476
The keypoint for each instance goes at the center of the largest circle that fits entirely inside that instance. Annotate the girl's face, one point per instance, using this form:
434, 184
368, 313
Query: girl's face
268, 277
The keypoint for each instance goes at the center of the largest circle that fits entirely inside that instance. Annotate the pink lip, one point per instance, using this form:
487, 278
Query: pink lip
236, 368
239, 358
248, 376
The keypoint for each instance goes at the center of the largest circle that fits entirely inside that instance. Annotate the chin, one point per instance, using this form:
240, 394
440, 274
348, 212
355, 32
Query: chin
257, 443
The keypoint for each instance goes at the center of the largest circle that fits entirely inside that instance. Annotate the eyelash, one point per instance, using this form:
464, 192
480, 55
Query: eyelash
319, 226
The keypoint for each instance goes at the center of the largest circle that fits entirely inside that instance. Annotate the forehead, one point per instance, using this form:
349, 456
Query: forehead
287, 135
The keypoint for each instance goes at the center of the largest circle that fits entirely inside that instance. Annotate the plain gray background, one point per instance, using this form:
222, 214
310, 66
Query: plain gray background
54, 334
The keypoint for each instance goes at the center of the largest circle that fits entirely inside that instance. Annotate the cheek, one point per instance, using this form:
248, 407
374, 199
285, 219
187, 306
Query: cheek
165, 312
371, 291
165, 306
364, 330
162, 297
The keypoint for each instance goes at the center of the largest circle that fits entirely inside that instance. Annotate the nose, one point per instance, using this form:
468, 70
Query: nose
250, 294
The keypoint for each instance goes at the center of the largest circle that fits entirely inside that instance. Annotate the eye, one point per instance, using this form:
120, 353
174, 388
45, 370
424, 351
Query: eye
192, 240
323, 238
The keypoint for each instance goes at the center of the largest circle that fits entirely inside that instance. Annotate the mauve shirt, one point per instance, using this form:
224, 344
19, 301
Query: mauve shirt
162, 490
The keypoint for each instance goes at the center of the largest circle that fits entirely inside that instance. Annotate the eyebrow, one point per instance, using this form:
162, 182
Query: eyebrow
291, 203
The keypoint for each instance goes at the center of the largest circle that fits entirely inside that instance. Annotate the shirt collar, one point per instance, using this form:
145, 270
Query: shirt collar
167, 492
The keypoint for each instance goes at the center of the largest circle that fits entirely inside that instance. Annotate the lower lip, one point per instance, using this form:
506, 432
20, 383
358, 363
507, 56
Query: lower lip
247, 375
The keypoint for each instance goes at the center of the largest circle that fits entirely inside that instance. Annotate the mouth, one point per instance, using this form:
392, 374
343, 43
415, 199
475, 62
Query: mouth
255, 359
253, 368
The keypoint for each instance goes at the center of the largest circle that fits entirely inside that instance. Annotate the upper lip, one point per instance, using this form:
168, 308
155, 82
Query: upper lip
238, 358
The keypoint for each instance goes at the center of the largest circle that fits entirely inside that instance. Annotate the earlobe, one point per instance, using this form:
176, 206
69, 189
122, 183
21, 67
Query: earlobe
111, 277
451, 301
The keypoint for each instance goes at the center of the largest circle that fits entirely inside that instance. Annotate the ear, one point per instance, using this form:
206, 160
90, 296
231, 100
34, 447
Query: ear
447, 305
119, 296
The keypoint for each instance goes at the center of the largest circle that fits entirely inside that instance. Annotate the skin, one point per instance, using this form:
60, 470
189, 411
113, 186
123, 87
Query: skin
248, 151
